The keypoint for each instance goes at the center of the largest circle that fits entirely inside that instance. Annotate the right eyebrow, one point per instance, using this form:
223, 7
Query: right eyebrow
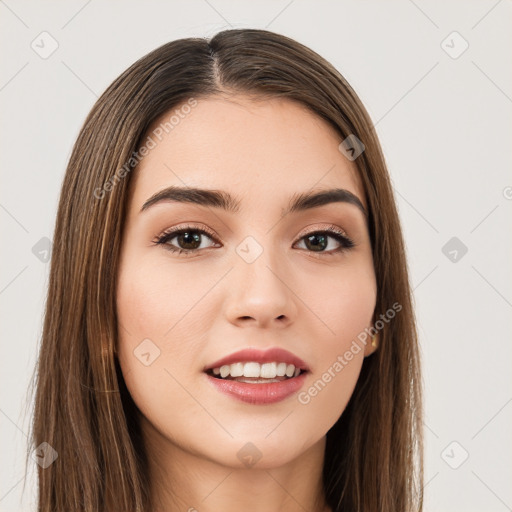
204, 197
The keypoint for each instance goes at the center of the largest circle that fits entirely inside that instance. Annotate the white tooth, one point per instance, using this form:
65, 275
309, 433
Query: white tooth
281, 370
252, 369
224, 370
297, 372
237, 369
216, 371
290, 369
268, 370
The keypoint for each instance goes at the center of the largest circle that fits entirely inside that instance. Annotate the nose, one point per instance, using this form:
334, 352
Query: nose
261, 294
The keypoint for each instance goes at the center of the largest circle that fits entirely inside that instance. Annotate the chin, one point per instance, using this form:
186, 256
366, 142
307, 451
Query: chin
258, 452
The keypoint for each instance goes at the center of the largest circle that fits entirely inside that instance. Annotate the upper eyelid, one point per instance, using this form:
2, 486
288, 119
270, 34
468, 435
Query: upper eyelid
331, 228
175, 231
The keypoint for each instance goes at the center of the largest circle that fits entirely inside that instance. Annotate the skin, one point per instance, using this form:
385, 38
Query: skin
200, 307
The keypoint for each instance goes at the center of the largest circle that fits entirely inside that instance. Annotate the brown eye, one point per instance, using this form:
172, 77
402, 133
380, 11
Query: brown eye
188, 240
316, 242
185, 240
319, 241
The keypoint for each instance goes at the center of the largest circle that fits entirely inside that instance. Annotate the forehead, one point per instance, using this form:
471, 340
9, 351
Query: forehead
260, 150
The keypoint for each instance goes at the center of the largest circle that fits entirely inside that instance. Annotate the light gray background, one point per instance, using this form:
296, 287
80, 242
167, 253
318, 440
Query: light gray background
444, 124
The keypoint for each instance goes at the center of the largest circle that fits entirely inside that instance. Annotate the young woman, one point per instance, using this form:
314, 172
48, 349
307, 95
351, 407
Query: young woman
229, 323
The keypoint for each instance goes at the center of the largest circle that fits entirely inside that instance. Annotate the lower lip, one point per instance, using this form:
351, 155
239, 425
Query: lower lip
259, 393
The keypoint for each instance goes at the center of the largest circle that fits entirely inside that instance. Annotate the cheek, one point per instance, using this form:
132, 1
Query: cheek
345, 304
156, 341
163, 325
148, 300
162, 304
346, 314
353, 308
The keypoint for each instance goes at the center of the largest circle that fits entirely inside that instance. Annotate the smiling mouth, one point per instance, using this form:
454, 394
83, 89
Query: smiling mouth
256, 373
253, 380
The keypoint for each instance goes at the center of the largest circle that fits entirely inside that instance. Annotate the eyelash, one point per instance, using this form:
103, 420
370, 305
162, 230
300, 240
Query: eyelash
346, 243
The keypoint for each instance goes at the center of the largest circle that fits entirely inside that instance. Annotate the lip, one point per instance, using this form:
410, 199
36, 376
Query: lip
260, 356
259, 393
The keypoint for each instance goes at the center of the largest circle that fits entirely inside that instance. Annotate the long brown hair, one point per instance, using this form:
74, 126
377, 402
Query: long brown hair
373, 457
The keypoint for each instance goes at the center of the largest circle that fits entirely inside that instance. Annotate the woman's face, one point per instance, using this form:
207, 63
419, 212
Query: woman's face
250, 275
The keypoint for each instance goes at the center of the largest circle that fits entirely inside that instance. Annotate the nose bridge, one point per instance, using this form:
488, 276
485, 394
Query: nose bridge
260, 281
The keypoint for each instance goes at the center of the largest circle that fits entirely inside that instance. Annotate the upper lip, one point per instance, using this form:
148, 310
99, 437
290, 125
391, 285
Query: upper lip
276, 354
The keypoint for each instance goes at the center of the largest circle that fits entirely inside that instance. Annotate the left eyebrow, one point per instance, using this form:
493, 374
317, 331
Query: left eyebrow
224, 200
307, 200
